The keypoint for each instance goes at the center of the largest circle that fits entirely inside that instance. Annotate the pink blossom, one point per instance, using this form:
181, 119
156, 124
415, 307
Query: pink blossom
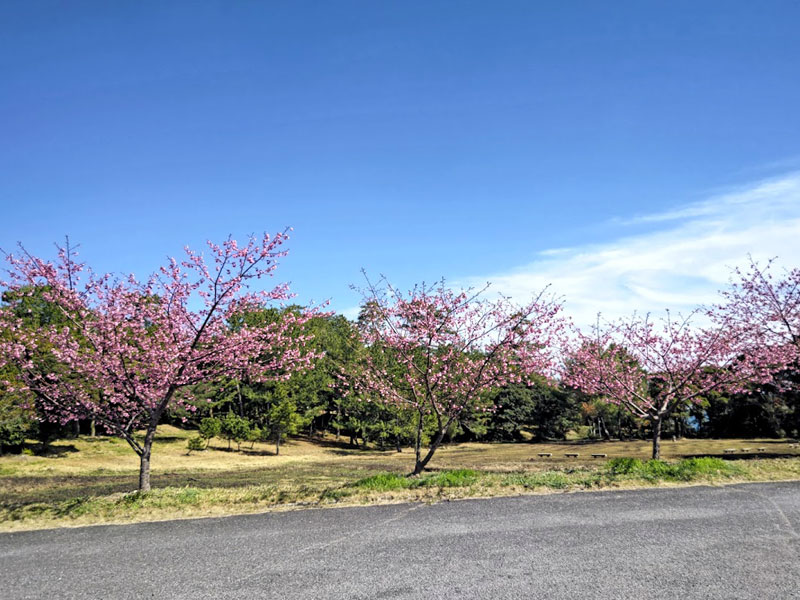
130, 345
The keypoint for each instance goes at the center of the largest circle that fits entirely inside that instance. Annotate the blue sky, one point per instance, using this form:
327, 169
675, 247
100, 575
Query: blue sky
501, 141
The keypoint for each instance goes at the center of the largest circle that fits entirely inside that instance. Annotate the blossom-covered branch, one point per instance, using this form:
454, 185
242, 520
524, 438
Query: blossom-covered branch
439, 351
124, 349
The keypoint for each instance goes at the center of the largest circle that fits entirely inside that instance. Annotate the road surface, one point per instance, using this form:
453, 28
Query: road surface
699, 542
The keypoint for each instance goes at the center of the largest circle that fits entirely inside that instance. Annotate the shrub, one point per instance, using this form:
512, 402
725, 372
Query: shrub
235, 428
384, 482
623, 465
196, 443
209, 427
254, 435
457, 478
685, 470
13, 431
658, 469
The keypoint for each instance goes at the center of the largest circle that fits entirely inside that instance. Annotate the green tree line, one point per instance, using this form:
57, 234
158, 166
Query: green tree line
316, 403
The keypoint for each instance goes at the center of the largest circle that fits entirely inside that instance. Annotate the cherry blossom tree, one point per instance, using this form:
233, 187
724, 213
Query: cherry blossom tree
651, 368
126, 350
440, 351
765, 309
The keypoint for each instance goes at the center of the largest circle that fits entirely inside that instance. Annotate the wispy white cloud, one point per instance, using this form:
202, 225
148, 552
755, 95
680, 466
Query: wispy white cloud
679, 265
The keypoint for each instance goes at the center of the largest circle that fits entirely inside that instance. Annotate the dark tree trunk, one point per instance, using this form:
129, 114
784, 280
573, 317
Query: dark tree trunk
144, 457
278, 444
420, 464
418, 442
144, 471
678, 422
603, 429
657, 437
239, 396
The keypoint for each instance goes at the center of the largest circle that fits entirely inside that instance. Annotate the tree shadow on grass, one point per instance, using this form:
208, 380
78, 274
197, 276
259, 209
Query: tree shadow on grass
52, 451
349, 451
254, 452
164, 438
20, 491
744, 455
341, 444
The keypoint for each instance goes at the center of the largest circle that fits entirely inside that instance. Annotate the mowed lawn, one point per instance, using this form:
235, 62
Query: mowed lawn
90, 480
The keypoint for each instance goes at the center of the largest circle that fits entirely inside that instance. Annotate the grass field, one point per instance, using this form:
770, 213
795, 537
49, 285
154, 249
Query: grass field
90, 480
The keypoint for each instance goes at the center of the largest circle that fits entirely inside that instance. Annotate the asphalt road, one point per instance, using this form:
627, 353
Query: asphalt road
729, 542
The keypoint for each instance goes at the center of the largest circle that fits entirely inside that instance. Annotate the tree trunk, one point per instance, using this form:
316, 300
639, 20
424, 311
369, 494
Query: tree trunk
92, 428
657, 437
144, 472
144, 458
420, 464
603, 428
418, 442
239, 395
278, 444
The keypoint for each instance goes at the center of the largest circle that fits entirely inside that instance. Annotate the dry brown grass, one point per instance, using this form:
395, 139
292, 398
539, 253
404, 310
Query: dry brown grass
86, 480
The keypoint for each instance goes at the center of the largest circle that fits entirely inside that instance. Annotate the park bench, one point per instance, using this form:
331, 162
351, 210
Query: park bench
762, 449
599, 455
545, 454
747, 449
729, 450
571, 454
